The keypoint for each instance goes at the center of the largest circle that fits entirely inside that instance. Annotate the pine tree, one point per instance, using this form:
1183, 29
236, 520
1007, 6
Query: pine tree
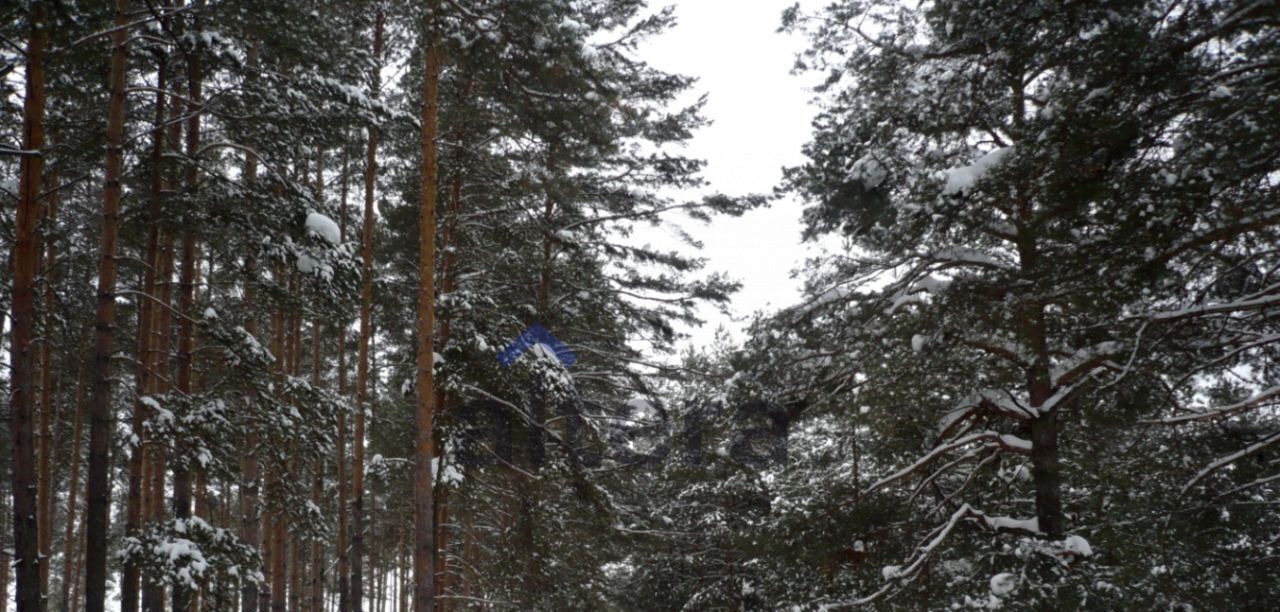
27, 534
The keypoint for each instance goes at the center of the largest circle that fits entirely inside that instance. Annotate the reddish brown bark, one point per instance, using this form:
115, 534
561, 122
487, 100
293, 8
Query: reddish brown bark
424, 508
25, 256
187, 299
250, 520
366, 308
48, 388
344, 600
99, 494
70, 549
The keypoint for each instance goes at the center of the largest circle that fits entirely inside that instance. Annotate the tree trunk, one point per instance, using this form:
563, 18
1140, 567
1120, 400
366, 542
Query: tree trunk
5, 515
366, 306
424, 509
25, 255
186, 301
448, 283
280, 345
48, 387
165, 181
77, 590
375, 592
344, 591
69, 549
99, 494
315, 598
250, 519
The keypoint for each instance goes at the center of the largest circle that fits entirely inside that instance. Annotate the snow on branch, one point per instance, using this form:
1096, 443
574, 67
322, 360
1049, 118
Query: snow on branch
1230, 459
1221, 413
964, 256
897, 577
990, 401
1237, 306
1084, 361
1005, 442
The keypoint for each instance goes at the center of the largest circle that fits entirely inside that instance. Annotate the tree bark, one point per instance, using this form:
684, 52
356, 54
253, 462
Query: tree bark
99, 495
344, 591
5, 515
366, 307
250, 519
448, 284
187, 299
48, 386
424, 509
315, 600
69, 576
25, 256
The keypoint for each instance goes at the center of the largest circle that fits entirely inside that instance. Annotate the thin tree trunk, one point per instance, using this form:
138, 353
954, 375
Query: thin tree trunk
76, 588
139, 462
69, 532
448, 284
280, 345
5, 515
25, 256
295, 573
48, 387
366, 307
250, 519
99, 495
153, 590
405, 574
187, 299
317, 547
375, 593
316, 577
344, 601
424, 509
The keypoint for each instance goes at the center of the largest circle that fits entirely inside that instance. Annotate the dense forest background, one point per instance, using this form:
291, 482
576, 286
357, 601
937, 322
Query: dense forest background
262, 260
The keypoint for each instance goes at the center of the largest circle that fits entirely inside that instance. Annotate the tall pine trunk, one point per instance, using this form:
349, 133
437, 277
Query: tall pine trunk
48, 386
69, 575
99, 494
366, 306
315, 600
186, 300
25, 256
250, 519
344, 589
424, 508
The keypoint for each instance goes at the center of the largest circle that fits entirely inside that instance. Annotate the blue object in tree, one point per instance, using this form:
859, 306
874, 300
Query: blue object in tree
535, 335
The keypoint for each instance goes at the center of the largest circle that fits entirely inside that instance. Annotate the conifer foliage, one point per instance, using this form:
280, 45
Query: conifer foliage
267, 263
182, 437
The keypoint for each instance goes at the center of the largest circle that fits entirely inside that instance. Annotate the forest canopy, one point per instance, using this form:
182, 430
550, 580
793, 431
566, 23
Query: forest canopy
315, 305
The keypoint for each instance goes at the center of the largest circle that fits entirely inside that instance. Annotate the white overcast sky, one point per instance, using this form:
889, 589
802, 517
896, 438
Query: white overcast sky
760, 114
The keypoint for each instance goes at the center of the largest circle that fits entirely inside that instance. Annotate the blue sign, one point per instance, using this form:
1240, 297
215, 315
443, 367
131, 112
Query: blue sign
534, 336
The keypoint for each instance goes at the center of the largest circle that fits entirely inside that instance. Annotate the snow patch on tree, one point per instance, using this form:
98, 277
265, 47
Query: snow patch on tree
962, 179
324, 227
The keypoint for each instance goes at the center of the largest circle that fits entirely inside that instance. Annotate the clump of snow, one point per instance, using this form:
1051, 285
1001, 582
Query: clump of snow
1003, 522
1003, 583
306, 264
449, 475
917, 343
324, 227
1015, 442
868, 171
210, 313
1076, 546
310, 265
889, 572
960, 180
